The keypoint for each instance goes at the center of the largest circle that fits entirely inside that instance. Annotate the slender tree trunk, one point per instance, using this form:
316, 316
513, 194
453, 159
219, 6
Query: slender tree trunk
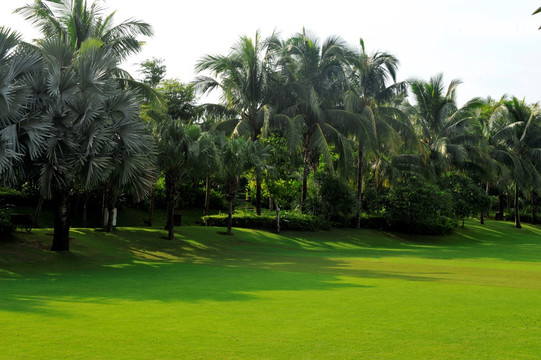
304, 189
534, 208
61, 221
257, 194
501, 205
171, 184
111, 204
37, 213
207, 196
230, 215
271, 206
85, 209
358, 196
517, 210
482, 218
277, 218
151, 207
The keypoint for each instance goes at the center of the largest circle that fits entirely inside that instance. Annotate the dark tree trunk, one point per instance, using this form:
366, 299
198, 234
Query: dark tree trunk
534, 208
111, 204
230, 215
277, 218
501, 205
37, 213
171, 185
271, 206
517, 210
257, 194
482, 218
85, 208
304, 189
151, 207
61, 221
207, 196
359, 189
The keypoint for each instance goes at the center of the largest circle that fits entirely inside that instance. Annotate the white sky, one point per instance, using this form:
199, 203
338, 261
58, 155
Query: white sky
493, 46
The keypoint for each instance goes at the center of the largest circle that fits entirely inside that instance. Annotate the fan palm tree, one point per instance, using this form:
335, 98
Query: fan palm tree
315, 81
94, 127
22, 134
245, 78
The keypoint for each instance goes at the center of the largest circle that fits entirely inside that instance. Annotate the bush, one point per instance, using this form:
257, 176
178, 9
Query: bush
6, 227
288, 221
332, 198
413, 206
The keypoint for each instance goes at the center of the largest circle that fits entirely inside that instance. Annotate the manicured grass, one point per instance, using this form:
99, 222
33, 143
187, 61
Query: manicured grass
343, 294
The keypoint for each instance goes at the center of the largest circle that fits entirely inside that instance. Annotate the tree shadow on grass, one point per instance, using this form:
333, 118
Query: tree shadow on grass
219, 269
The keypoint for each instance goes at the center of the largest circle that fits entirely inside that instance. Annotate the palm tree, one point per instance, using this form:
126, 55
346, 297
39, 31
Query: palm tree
178, 154
235, 160
517, 144
94, 127
76, 22
444, 128
368, 97
22, 134
245, 80
315, 79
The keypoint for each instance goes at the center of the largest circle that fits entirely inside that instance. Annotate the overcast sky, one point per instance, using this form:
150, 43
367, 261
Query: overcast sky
493, 46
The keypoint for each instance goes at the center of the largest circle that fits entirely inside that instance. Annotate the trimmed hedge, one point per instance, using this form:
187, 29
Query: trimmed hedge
288, 221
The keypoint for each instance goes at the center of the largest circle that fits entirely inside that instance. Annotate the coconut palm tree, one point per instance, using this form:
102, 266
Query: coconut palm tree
245, 78
444, 128
377, 122
76, 21
517, 144
235, 160
315, 80
178, 154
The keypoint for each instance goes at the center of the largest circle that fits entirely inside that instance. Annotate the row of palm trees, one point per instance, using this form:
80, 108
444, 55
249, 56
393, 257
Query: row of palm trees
326, 98
70, 116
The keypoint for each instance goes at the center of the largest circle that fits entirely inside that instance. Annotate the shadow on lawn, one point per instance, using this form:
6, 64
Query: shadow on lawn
219, 269
136, 265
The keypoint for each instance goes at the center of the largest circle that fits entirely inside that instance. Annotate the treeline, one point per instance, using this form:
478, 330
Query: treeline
320, 127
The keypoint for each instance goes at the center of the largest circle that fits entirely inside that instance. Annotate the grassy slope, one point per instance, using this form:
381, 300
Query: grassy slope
340, 294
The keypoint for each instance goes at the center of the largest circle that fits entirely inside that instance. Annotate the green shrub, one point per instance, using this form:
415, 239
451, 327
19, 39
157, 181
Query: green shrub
332, 198
414, 206
288, 221
6, 227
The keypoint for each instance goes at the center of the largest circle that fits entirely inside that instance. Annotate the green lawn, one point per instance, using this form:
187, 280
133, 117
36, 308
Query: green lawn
343, 294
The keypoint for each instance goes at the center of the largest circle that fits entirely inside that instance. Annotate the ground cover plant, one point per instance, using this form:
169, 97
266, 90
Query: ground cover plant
343, 293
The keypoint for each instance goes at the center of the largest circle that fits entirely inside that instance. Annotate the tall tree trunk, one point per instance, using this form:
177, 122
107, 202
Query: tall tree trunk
359, 189
37, 213
111, 204
534, 208
230, 215
171, 185
257, 194
304, 189
85, 208
277, 218
207, 196
517, 210
501, 206
151, 206
61, 221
